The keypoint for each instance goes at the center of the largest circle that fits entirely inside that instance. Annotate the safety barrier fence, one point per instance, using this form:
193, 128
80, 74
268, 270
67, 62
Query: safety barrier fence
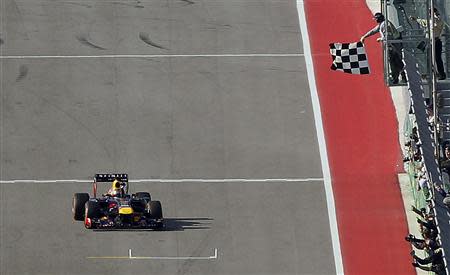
423, 168
414, 168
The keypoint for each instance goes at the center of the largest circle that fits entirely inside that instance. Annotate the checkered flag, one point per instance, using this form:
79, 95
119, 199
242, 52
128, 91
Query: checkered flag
349, 57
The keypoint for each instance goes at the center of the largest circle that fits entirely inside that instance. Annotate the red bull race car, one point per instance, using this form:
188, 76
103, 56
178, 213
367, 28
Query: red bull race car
117, 209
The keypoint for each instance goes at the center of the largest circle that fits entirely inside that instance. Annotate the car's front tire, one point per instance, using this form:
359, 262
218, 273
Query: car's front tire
155, 209
92, 209
78, 203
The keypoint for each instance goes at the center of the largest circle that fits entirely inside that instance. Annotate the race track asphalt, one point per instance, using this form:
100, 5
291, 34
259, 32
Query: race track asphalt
160, 117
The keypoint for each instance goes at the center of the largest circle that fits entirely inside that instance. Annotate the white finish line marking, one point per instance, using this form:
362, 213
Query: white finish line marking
167, 180
131, 257
146, 56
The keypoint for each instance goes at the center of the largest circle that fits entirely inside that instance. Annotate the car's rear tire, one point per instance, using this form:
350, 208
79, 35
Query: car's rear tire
78, 203
144, 195
155, 209
92, 209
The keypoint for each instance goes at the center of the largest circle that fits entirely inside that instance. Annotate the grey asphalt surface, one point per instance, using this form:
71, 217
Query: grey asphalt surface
166, 117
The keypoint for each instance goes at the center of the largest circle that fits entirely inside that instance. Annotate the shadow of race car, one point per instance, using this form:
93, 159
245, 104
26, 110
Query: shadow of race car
117, 209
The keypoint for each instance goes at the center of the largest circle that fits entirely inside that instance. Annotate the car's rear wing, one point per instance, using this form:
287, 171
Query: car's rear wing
109, 178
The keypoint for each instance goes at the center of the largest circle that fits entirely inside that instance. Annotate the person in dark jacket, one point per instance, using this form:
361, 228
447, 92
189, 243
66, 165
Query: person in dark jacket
437, 31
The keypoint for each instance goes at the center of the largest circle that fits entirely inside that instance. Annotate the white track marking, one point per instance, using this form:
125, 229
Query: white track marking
167, 180
227, 180
147, 56
131, 257
321, 139
44, 181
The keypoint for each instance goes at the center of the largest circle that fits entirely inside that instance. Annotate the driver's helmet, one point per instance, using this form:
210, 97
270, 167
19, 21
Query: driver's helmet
117, 188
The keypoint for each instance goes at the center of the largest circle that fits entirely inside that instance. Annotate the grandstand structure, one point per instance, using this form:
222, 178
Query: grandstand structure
429, 105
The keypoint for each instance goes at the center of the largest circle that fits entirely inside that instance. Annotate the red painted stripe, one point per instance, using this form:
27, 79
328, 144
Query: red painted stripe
363, 150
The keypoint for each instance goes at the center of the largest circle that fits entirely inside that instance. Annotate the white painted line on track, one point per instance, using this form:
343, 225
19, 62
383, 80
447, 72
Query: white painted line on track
168, 180
131, 257
147, 56
227, 180
321, 139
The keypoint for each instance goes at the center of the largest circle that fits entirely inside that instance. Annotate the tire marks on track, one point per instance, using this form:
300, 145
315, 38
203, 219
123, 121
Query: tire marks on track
137, 5
85, 40
189, 2
23, 72
146, 38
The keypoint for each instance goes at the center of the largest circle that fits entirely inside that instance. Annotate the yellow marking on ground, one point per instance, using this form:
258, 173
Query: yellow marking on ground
110, 257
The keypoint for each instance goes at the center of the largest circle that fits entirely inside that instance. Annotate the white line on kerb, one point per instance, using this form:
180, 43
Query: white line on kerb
321, 139
148, 56
168, 180
131, 257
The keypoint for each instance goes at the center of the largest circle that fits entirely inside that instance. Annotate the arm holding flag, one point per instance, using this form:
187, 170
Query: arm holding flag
373, 31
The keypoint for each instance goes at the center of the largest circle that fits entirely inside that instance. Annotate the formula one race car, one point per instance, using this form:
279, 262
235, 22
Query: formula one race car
117, 209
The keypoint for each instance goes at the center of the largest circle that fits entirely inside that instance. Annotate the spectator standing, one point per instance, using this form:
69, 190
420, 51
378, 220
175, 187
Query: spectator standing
421, 244
438, 27
445, 160
435, 261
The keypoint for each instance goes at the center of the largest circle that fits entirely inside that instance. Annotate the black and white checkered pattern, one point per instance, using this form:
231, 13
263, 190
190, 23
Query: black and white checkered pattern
349, 57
